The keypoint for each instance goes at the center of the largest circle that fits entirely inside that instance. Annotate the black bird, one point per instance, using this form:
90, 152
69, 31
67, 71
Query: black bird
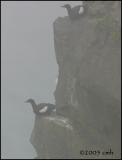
73, 12
42, 108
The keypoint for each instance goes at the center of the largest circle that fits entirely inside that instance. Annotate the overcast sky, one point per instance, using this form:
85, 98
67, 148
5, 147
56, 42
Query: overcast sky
29, 69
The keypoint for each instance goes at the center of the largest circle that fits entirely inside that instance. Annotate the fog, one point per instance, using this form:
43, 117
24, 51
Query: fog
29, 69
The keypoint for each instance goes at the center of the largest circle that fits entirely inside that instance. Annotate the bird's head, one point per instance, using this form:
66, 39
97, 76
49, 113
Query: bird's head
29, 101
66, 6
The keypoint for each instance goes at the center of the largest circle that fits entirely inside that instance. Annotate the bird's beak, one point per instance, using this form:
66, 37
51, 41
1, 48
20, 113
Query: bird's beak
62, 6
26, 101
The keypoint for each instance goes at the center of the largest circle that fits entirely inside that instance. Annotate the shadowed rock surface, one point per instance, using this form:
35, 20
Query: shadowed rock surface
88, 92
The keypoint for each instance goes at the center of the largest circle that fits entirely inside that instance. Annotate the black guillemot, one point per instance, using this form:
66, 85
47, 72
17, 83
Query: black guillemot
42, 108
73, 12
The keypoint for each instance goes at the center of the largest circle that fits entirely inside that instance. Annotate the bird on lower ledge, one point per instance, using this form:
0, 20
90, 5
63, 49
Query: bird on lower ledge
73, 12
42, 108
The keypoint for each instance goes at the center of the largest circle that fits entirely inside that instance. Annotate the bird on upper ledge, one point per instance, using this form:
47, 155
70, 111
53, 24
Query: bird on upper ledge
73, 12
42, 108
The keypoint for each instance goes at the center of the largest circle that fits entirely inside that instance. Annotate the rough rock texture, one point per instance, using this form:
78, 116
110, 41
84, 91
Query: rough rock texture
88, 53
53, 138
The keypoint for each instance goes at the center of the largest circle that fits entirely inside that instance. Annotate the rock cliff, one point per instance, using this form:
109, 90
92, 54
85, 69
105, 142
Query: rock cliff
88, 92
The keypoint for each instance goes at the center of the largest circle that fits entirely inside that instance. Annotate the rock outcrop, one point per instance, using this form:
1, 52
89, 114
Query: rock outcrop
88, 92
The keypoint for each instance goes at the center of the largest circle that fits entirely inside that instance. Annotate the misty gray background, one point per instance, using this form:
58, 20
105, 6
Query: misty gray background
29, 69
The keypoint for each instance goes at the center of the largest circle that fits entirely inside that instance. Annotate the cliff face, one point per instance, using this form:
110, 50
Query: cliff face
53, 138
88, 53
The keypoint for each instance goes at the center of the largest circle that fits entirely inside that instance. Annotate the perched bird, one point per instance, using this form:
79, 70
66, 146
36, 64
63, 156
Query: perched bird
42, 108
73, 12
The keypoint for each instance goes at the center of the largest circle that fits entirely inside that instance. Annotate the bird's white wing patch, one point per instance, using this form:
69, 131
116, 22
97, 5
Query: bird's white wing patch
81, 10
78, 9
43, 110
